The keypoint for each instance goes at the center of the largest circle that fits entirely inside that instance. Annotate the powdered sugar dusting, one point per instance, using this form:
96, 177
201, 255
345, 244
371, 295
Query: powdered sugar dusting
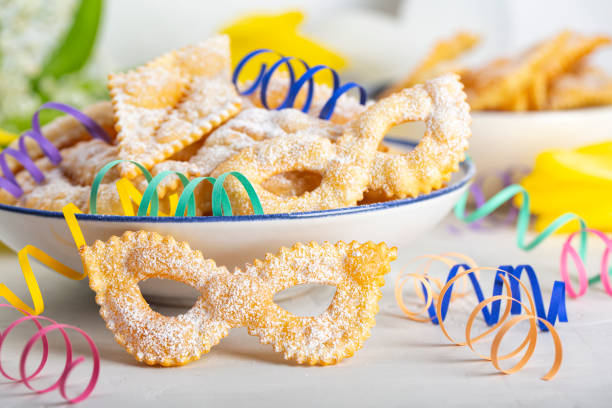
172, 102
238, 299
114, 270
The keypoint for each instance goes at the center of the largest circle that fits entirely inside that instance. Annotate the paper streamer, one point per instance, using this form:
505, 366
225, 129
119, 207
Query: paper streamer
477, 190
8, 180
148, 202
505, 278
71, 362
522, 226
33, 314
568, 252
295, 84
556, 305
28, 274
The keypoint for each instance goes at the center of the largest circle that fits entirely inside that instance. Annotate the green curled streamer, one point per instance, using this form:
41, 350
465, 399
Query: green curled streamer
95, 186
188, 191
218, 190
523, 218
151, 194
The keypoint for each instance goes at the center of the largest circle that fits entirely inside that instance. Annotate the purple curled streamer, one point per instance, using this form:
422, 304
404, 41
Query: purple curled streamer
476, 189
8, 181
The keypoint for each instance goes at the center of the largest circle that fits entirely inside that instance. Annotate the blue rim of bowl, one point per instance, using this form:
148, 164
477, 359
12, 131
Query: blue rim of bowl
467, 166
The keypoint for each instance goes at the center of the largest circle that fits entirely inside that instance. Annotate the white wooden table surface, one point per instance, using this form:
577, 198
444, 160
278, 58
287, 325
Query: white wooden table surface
404, 363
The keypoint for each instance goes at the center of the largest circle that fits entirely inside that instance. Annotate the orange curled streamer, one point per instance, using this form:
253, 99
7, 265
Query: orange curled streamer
426, 293
450, 259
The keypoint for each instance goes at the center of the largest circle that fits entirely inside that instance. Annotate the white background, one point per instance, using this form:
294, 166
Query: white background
381, 39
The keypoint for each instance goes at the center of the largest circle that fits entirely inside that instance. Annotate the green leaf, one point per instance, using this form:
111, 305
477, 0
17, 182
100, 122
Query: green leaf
73, 52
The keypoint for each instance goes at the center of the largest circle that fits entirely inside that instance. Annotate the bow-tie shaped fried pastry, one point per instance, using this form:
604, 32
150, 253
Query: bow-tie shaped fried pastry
242, 298
172, 102
588, 86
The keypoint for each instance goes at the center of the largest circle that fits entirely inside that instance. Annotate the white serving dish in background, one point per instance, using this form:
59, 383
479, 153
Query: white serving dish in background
504, 140
234, 241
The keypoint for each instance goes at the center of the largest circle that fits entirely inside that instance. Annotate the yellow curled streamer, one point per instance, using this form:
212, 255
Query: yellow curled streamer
128, 194
28, 274
426, 292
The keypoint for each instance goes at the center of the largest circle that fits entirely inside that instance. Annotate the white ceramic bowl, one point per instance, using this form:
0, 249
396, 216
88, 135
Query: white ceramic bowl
234, 241
504, 140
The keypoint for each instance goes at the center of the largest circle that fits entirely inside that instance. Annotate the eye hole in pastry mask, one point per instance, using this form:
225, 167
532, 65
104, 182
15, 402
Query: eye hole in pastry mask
292, 183
311, 299
164, 304
242, 298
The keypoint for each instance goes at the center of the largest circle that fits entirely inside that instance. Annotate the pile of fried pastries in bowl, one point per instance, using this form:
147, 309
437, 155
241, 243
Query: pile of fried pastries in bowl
548, 96
182, 118
182, 113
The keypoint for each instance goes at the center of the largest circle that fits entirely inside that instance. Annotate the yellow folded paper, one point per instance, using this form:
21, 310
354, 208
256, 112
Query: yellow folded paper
278, 32
6, 137
575, 180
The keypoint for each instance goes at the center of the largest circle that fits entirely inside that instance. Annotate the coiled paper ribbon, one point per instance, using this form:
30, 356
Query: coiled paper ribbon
148, 202
71, 363
28, 274
505, 277
477, 190
522, 226
8, 180
604, 274
295, 85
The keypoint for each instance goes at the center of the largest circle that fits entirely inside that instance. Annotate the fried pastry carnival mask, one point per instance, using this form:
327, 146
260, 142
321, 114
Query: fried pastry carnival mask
242, 298
352, 163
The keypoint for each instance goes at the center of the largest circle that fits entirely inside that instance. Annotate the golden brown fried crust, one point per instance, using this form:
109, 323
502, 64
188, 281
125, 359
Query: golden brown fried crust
242, 298
172, 102
522, 83
441, 60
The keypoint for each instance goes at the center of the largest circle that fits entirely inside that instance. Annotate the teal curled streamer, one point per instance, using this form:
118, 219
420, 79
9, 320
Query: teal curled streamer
188, 191
95, 186
221, 205
151, 194
218, 187
523, 219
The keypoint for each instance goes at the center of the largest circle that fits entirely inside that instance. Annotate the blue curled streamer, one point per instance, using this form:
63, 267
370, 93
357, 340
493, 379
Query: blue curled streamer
263, 78
556, 307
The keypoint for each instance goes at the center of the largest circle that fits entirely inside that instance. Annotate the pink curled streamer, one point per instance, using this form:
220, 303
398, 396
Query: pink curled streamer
568, 251
41, 335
